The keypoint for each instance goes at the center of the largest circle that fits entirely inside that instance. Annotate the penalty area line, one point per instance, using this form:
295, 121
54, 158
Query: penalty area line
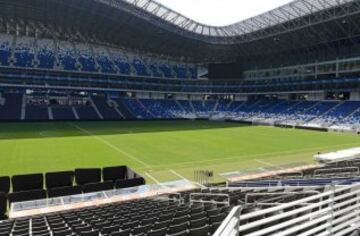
182, 177
178, 175
109, 144
265, 163
152, 178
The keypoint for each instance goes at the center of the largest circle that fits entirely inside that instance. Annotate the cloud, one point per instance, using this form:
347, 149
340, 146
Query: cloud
221, 12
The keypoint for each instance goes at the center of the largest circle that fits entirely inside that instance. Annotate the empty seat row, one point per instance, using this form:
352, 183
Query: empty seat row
37, 194
66, 178
147, 217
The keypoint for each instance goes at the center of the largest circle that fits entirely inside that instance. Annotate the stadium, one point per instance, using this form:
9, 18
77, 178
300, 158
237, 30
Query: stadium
128, 118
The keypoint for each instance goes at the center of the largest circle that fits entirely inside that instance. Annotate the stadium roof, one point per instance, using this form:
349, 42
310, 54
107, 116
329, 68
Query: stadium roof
149, 27
288, 12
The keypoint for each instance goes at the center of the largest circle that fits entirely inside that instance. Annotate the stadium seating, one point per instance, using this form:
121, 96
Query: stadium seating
323, 114
107, 112
124, 110
11, 109
298, 182
98, 187
186, 106
5, 49
114, 173
86, 112
36, 112
27, 182
64, 191
127, 183
137, 108
197, 212
103, 59
59, 179
85, 176
4, 184
63, 113
122, 63
3, 205
31, 186
24, 52
48, 54
86, 60
140, 217
162, 109
66, 56
24, 196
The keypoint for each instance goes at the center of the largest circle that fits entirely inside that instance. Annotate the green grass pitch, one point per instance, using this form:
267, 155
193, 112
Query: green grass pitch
160, 150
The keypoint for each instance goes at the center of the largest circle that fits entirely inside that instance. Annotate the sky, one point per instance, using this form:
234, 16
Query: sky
221, 12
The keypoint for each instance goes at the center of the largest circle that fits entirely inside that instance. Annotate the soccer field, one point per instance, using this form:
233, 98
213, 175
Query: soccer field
160, 150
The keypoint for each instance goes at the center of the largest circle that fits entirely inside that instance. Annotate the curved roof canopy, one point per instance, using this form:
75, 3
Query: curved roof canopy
285, 13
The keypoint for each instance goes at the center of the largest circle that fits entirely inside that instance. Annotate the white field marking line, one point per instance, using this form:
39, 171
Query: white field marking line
182, 177
178, 175
110, 145
265, 163
152, 178
249, 156
43, 133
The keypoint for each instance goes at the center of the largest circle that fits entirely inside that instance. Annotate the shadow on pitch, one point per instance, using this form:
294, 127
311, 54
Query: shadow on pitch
39, 130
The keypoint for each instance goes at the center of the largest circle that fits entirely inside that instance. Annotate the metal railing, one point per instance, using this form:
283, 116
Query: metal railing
343, 171
231, 224
334, 212
198, 198
271, 199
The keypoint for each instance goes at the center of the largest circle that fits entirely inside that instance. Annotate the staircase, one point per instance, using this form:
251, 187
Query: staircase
291, 107
124, 110
50, 114
181, 107
332, 109
145, 108
23, 107
192, 107
240, 106
216, 106
75, 113
326, 112
115, 105
95, 108
352, 113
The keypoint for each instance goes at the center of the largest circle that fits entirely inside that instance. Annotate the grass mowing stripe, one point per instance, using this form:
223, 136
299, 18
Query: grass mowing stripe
109, 144
235, 158
182, 146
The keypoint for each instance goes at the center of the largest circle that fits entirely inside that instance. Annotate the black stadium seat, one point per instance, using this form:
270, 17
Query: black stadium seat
59, 179
127, 183
126, 232
89, 233
4, 184
27, 182
64, 191
182, 233
85, 176
27, 196
203, 231
97, 187
3, 205
158, 232
114, 173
